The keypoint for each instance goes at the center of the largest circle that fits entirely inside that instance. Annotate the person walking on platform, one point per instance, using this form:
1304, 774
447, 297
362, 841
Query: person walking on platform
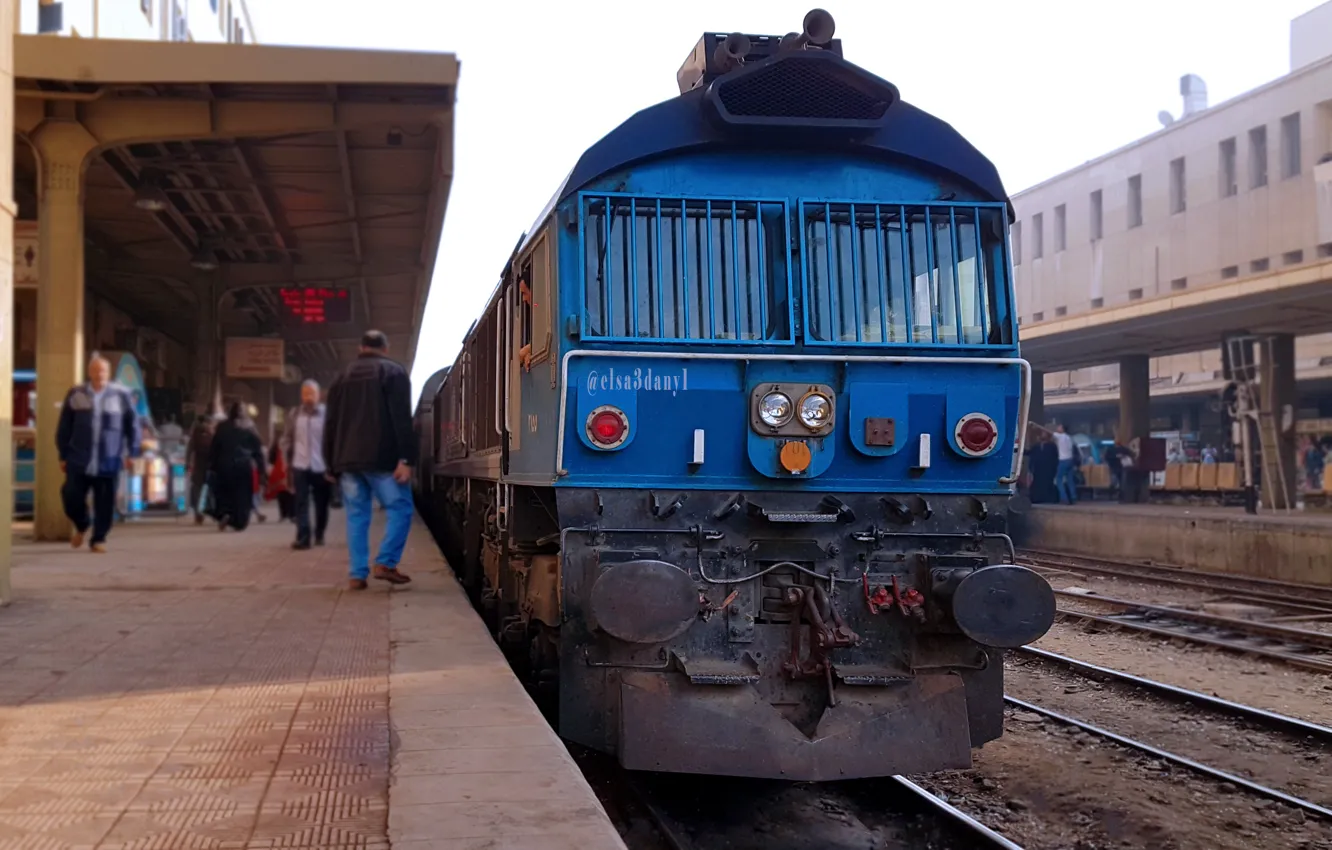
235, 457
196, 460
1065, 482
97, 435
370, 447
303, 443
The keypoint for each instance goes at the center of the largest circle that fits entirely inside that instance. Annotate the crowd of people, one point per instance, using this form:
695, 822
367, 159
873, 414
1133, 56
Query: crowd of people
358, 443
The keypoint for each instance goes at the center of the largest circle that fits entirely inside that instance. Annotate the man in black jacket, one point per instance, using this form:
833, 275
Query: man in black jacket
369, 445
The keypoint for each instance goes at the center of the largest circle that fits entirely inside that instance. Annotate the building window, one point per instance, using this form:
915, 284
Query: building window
1097, 210
1060, 228
1097, 303
1178, 203
1229, 182
1135, 294
1017, 243
1325, 250
1179, 283
1290, 146
1256, 266
1061, 311
1258, 157
1038, 236
1230, 273
178, 27
1038, 317
1135, 201
1292, 258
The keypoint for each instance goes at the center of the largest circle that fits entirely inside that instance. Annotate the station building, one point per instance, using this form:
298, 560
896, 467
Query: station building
147, 20
1224, 196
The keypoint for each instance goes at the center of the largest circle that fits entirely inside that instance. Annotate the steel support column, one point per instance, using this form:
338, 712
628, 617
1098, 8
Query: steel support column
62, 148
1135, 421
1277, 395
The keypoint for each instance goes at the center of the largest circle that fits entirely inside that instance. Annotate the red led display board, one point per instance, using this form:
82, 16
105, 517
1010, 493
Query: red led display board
315, 305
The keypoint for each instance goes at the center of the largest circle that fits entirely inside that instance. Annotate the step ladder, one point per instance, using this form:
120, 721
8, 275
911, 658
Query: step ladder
1263, 448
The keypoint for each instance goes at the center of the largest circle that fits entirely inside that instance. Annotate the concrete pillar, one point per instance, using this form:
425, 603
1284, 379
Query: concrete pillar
7, 29
62, 146
1135, 420
1277, 397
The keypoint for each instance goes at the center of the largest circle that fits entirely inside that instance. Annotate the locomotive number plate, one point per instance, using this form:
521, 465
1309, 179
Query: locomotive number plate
880, 432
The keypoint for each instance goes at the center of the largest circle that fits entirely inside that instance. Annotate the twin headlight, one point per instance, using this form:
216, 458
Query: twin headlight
814, 409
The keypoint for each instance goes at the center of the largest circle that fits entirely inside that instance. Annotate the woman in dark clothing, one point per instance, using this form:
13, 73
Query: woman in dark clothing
233, 458
1044, 463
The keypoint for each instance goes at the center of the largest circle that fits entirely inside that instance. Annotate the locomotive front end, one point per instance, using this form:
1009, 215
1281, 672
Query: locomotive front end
846, 621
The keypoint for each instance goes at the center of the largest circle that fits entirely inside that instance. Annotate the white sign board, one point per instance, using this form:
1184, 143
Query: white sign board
25, 253
255, 358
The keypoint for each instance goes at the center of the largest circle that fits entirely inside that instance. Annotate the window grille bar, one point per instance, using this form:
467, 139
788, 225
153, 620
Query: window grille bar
982, 284
712, 289
684, 261
931, 276
607, 297
908, 279
762, 272
661, 300
631, 279
957, 271
881, 277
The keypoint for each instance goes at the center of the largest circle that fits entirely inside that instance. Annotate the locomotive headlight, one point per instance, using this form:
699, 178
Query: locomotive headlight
775, 409
815, 411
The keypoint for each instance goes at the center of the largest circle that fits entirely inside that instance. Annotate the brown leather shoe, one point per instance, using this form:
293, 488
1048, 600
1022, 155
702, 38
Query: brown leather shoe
390, 575
76, 539
99, 548
356, 584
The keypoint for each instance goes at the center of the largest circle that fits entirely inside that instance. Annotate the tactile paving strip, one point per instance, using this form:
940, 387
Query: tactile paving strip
240, 706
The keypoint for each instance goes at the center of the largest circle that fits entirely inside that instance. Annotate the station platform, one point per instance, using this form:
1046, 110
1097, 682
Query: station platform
192, 689
1291, 546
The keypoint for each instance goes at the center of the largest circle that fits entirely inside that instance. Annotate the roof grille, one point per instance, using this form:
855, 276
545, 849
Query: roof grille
809, 89
800, 90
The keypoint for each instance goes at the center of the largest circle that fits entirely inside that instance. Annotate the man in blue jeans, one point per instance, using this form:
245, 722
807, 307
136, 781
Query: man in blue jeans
1065, 481
369, 446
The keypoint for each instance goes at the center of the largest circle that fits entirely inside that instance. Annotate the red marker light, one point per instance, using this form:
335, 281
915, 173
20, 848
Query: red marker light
607, 427
976, 434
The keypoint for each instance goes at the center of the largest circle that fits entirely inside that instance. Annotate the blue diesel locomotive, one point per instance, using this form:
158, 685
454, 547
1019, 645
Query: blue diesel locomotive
725, 461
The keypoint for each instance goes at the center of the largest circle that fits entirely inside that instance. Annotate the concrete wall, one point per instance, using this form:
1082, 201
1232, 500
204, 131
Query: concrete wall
204, 20
1298, 549
1217, 236
1311, 37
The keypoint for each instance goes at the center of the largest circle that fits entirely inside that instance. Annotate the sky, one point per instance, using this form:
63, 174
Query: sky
1039, 86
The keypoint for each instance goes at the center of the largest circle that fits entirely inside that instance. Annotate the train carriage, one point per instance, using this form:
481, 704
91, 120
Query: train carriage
725, 459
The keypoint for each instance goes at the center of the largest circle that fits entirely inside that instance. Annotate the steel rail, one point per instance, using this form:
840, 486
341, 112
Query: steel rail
1249, 649
1276, 631
1165, 755
957, 816
1282, 722
1296, 594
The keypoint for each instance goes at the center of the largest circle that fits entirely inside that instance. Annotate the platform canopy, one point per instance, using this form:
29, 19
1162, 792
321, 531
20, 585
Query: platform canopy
266, 171
1297, 301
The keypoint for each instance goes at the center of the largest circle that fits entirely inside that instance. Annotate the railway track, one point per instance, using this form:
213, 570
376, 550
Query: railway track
1304, 648
1305, 601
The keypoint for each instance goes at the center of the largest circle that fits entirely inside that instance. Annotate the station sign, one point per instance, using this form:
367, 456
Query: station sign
315, 305
249, 357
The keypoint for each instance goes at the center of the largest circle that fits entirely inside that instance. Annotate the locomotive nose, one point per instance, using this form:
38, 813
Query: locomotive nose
1004, 606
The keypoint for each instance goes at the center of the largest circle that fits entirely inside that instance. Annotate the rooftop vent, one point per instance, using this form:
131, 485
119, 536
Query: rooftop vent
804, 88
1194, 90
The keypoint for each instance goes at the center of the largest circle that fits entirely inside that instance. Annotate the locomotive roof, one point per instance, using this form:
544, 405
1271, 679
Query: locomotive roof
681, 124
432, 385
